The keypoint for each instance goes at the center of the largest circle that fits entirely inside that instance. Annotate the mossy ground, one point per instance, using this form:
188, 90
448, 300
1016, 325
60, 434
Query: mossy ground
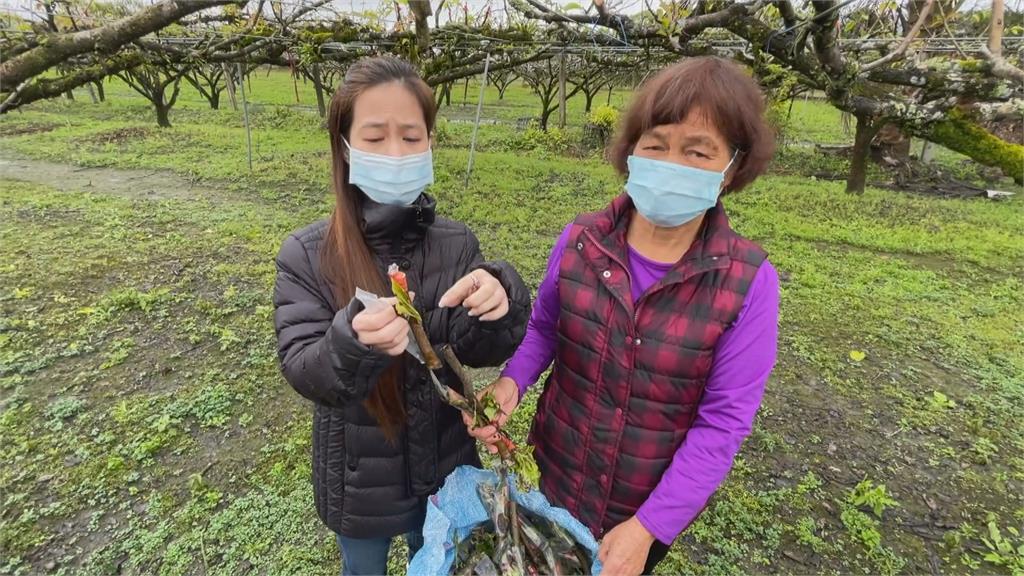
145, 428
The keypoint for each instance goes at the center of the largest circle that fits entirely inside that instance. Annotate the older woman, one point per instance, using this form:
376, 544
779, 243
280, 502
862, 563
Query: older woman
660, 319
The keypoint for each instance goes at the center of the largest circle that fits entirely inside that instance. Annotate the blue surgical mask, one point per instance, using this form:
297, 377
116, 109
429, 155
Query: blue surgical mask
670, 194
390, 179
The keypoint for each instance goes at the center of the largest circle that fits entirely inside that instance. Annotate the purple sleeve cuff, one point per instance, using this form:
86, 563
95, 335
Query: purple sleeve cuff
744, 358
666, 537
520, 376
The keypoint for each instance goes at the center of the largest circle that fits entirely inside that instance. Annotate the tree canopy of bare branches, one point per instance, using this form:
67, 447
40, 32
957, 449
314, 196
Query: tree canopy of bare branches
911, 64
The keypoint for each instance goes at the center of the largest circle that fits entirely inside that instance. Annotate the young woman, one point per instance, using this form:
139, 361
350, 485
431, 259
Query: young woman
382, 439
660, 319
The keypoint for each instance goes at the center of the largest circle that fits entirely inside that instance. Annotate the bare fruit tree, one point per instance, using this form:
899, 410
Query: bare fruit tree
871, 73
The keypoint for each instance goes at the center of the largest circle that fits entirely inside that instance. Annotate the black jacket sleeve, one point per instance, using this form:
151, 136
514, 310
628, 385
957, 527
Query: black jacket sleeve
479, 343
320, 355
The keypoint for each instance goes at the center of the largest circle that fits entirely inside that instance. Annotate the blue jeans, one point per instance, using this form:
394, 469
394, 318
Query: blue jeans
369, 556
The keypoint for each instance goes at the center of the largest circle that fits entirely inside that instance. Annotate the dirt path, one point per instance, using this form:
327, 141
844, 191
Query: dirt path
141, 184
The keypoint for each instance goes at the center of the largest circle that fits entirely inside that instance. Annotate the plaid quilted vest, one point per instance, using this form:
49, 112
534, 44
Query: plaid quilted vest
627, 378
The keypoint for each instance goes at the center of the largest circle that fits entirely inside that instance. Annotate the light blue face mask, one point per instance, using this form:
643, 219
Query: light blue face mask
390, 179
670, 194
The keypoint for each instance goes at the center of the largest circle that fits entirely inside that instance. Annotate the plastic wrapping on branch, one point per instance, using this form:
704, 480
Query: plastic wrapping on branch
483, 412
509, 539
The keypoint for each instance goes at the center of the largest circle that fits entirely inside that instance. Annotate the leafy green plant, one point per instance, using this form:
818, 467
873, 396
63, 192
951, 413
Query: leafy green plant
805, 532
442, 132
887, 562
940, 401
226, 337
119, 352
65, 409
865, 529
146, 448
202, 493
809, 484
862, 528
554, 140
780, 120
1006, 551
866, 493
523, 464
280, 117
983, 450
604, 117
128, 299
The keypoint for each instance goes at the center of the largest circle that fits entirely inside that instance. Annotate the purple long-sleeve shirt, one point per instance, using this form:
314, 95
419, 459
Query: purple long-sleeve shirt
744, 358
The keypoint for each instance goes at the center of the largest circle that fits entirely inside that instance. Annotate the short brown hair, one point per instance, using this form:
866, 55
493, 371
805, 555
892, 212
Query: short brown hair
729, 99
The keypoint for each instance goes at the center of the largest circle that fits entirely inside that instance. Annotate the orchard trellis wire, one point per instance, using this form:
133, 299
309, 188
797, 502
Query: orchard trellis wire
868, 62
346, 51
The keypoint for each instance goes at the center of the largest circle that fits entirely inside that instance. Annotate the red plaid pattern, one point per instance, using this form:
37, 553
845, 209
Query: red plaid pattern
627, 379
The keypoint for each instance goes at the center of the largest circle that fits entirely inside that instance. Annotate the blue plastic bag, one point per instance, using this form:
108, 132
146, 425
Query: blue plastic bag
456, 510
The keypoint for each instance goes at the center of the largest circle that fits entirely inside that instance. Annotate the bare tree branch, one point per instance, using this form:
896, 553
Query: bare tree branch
902, 48
694, 24
604, 18
10, 51
207, 19
249, 27
825, 34
42, 88
939, 89
540, 53
260, 44
786, 48
686, 28
1003, 69
946, 80
421, 12
59, 48
654, 15
952, 36
437, 13
266, 50
788, 13
995, 29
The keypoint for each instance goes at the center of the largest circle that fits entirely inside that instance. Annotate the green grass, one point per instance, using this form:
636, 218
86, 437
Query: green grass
147, 430
818, 122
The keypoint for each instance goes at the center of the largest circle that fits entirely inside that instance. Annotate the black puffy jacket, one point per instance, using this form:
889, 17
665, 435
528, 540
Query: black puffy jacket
364, 486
